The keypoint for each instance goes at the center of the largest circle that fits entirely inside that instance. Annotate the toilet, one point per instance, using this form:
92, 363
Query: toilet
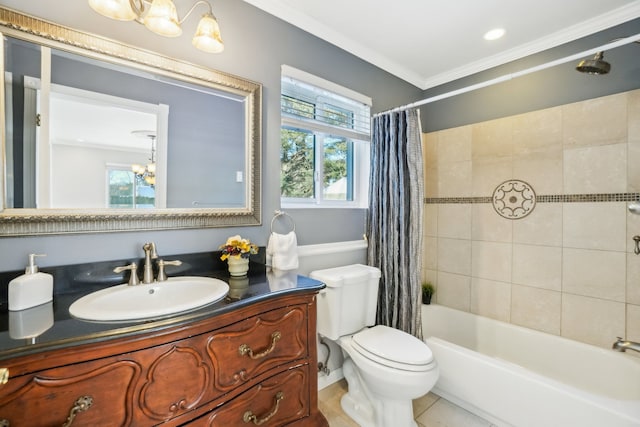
385, 368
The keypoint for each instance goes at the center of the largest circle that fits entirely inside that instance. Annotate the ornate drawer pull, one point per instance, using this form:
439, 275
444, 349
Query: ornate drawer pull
81, 404
249, 417
4, 376
245, 349
5, 423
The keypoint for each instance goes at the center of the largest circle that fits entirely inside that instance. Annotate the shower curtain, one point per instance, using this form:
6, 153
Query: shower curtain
394, 222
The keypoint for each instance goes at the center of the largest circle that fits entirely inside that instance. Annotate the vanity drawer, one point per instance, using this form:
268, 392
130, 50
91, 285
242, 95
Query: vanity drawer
276, 401
248, 348
93, 393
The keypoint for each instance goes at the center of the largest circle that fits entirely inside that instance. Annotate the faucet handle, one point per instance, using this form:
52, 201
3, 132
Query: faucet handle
133, 277
162, 276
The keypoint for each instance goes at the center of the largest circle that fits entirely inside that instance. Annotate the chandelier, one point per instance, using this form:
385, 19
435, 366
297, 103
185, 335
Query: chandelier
147, 172
161, 17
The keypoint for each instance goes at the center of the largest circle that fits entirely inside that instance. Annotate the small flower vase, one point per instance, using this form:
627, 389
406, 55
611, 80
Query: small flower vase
238, 266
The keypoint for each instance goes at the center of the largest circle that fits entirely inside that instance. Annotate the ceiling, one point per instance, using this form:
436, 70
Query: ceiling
428, 43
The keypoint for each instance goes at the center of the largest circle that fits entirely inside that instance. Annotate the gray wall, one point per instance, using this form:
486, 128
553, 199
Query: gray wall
256, 45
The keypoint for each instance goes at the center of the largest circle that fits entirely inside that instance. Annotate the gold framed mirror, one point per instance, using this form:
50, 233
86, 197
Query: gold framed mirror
219, 204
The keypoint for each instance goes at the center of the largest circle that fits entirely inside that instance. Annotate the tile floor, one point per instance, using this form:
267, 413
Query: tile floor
429, 411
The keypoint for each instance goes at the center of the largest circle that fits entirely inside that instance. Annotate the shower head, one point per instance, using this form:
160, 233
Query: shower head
596, 66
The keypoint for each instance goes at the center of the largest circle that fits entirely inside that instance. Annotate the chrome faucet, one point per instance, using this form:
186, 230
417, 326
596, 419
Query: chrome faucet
149, 255
623, 345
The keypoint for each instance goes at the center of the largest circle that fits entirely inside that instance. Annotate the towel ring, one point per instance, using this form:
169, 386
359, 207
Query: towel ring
279, 213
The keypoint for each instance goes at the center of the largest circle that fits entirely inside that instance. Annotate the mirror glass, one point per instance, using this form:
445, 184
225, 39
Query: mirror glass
89, 134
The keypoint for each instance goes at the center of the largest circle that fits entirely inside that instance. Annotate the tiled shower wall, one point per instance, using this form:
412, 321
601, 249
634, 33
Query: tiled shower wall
568, 268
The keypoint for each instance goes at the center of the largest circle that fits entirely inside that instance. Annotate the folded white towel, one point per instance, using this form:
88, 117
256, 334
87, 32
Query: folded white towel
282, 251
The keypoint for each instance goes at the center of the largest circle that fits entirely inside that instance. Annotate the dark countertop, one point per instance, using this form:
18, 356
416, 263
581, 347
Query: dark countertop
73, 282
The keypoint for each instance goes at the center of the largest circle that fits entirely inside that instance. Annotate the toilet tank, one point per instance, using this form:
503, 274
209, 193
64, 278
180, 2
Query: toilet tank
348, 303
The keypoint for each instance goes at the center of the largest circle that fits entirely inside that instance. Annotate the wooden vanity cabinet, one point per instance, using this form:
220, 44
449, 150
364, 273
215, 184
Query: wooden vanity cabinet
255, 365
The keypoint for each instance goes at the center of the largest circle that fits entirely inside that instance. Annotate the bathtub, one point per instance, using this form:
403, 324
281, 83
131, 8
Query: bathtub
514, 376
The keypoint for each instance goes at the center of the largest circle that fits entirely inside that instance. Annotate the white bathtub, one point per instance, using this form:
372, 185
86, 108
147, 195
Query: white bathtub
514, 376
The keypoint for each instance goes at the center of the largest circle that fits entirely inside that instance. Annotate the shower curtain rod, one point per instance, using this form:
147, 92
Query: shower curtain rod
510, 76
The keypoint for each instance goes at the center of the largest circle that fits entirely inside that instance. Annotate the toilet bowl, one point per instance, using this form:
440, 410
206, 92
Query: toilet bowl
385, 368
391, 368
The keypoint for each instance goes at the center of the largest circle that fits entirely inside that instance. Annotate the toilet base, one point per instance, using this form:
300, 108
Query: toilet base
370, 411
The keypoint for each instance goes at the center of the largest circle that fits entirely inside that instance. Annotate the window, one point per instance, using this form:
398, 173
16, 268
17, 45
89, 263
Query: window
128, 190
324, 138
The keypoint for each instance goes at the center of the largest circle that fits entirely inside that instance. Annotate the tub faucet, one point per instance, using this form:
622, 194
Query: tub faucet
623, 345
149, 255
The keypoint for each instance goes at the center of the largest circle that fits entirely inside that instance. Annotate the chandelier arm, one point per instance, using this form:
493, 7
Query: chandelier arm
193, 8
138, 8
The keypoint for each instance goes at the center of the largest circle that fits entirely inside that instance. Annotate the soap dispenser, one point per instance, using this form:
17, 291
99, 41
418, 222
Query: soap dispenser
30, 289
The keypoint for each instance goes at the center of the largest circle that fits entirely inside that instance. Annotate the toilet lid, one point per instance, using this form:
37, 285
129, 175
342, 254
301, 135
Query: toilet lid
394, 348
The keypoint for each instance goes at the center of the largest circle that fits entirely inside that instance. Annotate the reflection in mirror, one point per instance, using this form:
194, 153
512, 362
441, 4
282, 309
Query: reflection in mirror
89, 137
93, 133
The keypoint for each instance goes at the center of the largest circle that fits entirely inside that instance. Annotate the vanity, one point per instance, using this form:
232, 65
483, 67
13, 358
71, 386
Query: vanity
249, 359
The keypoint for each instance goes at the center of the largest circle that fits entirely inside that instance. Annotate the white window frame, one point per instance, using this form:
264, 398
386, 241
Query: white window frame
361, 144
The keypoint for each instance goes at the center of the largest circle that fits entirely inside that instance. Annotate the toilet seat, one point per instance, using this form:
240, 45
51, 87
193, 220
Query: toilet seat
393, 348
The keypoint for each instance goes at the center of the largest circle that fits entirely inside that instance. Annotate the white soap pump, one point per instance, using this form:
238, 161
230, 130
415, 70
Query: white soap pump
30, 289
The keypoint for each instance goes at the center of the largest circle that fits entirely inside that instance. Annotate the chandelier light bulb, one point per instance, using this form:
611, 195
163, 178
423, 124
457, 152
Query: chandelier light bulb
115, 9
207, 37
162, 19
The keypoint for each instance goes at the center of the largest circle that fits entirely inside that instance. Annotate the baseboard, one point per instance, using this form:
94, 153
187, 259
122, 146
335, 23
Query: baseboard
325, 380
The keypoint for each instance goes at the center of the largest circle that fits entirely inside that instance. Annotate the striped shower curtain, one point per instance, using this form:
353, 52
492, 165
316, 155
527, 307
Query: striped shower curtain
394, 222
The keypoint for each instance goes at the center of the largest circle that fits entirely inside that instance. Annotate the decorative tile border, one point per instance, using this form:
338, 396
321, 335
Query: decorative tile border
559, 198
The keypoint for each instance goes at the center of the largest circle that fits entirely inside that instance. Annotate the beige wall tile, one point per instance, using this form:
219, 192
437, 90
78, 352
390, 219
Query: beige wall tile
595, 225
431, 255
600, 169
536, 308
633, 167
454, 145
454, 180
430, 220
633, 229
487, 174
491, 299
543, 226
633, 278
454, 256
491, 260
592, 320
454, 220
454, 290
538, 266
595, 121
633, 113
633, 322
538, 131
430, 181
487, 225
430, 148
493, 138
599, 274
542, 171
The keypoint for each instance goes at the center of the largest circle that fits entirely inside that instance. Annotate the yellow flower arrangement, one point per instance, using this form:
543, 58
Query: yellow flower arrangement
238, 247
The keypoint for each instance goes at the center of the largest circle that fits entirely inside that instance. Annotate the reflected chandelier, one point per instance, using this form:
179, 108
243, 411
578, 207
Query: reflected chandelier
147, 172
161, 17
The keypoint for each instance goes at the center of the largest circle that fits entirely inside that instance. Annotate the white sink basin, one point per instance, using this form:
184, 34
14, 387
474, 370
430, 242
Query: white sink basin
124, 302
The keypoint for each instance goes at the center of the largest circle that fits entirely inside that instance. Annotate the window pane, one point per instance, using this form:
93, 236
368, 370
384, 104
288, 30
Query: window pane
127, 190
121, 189
336, 116
297, 160
145, 196
296, 107
338, 166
